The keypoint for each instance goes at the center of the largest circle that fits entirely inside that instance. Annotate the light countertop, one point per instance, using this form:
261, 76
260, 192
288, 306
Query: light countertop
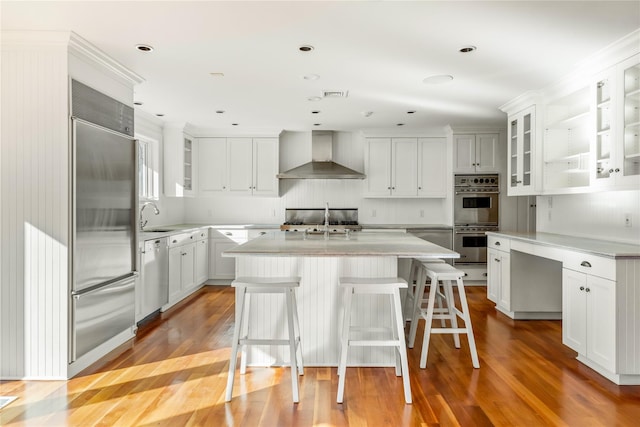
591, 246
286, 244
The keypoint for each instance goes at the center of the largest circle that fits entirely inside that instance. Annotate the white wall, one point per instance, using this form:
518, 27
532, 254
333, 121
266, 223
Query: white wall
295, 149
595, 215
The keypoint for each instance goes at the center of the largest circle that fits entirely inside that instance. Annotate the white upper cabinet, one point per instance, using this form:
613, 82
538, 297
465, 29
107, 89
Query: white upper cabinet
377, 166
616, 145
404, 167
521, 153
475, 153
432, 167
179, 151
245, 166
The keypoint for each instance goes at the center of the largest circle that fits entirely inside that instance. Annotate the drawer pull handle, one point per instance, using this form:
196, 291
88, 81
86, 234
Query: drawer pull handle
497, 243
585, 264
496, 260
175, 241
228, 234
262, 233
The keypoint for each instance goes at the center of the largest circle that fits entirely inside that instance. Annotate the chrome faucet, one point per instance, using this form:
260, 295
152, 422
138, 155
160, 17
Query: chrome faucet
155, 211
326, 220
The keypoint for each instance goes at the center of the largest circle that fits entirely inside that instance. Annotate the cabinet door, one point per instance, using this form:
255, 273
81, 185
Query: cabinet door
627, 168
175, 272
432, 167
601, 321
521, 140
504, 293
265, 167
212, 166
223, 267
188, 266
377, 164
404, 167
464, 150
486, 153
494, 275
240, 164
603, 154
202, 261
574, 310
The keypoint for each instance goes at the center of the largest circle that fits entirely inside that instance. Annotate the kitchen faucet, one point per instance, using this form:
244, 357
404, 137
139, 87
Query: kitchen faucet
326, 220
155, 211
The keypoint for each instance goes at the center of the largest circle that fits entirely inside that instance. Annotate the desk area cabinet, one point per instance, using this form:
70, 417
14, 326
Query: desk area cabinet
593, 285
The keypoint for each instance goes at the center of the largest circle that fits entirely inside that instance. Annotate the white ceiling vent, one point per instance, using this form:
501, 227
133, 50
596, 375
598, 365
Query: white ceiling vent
335, 93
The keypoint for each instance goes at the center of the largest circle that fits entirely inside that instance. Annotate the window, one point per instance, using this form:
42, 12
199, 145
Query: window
148, 175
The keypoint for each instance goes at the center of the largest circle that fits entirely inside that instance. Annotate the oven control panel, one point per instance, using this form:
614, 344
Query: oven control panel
476, 181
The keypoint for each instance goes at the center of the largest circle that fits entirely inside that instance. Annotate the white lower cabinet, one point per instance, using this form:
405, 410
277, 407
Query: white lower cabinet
202, 261
499, 278
181, 270
589, 317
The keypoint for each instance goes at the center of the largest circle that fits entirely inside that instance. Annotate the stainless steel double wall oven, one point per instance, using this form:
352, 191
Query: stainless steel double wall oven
476, 209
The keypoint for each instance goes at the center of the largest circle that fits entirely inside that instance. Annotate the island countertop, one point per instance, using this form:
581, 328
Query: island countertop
289, 244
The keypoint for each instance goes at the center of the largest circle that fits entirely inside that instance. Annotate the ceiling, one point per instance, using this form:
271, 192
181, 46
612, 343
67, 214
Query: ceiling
378, 51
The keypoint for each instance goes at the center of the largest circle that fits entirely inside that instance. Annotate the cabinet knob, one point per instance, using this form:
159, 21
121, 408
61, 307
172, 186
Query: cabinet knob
224, 188
393, 188
582, 288
419, 188
617, 169
610, 170
588, 290
388, 188
585, 264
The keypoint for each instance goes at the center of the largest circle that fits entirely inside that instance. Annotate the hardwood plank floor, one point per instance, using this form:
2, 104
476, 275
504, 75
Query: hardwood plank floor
174, 373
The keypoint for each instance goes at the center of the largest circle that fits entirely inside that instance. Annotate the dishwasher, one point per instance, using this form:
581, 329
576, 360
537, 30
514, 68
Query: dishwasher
155, 279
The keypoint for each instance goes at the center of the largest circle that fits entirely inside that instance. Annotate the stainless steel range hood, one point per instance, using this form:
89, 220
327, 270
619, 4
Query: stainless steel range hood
321, 165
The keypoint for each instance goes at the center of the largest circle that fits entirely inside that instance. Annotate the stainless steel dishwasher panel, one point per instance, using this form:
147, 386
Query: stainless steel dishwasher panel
155, 286
102, 313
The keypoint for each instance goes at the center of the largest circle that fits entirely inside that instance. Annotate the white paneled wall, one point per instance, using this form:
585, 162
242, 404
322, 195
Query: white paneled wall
595, 215
35, 210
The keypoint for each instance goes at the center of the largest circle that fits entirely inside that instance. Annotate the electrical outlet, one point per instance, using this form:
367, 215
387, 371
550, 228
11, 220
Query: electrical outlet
373, 213
627, 220
421, 213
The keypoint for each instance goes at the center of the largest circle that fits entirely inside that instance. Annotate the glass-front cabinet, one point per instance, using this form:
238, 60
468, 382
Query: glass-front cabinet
617, 126
521, 136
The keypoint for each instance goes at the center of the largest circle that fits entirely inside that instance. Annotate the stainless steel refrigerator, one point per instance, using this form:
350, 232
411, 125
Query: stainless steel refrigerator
103, 226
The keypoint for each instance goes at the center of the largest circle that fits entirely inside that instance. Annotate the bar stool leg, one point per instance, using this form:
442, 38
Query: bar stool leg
417, 302
427, 326
467, 323
244, 332
292, 346
236, 339
344, 343
395, 335
402, 349
296, 321
452, 310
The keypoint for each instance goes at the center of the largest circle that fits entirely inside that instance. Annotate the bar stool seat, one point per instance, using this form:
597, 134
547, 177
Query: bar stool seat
445, 273
383, 286
245, 286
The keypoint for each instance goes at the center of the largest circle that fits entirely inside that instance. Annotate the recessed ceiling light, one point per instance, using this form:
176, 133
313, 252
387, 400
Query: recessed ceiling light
314, 98
219, 111
467, 49
160, 115
144, 47
234, 124
367, 113
137, 103
438, 80
411, 112
305, 48
400, 124
315, 112
311, 77
216, 74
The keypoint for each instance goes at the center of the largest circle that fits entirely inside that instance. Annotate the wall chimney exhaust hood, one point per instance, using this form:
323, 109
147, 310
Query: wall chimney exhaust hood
321, 165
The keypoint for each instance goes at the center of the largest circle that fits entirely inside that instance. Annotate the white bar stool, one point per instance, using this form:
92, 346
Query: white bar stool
382, 286
245, 286
444, 272
414, 300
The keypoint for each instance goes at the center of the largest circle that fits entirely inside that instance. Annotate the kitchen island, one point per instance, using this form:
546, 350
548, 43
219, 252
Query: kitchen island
320, 261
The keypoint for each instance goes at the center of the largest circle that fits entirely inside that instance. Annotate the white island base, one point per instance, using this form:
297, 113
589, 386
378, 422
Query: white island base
319, 306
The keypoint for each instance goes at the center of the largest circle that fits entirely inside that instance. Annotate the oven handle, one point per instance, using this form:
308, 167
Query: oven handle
479, 193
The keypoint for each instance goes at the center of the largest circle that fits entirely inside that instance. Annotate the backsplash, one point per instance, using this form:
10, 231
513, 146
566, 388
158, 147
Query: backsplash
595, 215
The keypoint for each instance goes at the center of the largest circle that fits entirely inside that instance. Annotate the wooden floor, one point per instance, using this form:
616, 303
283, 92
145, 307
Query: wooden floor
175, 374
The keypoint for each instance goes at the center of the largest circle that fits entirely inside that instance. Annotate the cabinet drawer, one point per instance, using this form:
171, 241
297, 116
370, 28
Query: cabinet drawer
202, 234
499, 243
180, 239
235, 235
590, 264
